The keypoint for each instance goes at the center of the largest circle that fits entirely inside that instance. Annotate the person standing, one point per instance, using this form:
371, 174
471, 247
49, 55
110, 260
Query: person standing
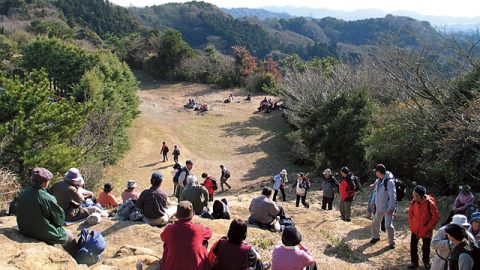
330, 187
423, 215
347, 193
175, 153
279, 182
385, 203
181, 178
209, 185
441, 244
301, 186
224, 177
185, 242
164, 151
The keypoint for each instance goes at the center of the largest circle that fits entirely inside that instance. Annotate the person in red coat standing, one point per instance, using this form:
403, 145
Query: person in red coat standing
208, 184
347, 193
423, 215
185, 242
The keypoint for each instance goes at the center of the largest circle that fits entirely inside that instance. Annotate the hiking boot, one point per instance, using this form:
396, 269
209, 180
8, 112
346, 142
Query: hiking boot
307, 206
427, 266
348, 220
374, 240
391, 246
413, 266
266, 265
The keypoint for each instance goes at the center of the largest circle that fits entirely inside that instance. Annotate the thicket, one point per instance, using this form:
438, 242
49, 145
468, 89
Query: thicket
65, 107
400, 108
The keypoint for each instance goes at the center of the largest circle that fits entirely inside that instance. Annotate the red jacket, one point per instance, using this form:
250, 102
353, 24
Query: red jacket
208, 184
422, 217
184, 249
347, 192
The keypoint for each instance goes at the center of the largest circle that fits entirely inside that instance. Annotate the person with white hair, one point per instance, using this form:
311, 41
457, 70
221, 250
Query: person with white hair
279, 182
196, 194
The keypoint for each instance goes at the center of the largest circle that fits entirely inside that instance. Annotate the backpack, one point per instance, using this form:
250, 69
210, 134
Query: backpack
356, 181
177, 175
165, 150
400, 188
125, 210
12, 207
214, 182
90, 247
226, 174
285, 221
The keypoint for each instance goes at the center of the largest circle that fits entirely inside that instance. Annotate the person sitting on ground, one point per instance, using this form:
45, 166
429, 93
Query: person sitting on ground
208, 184
461, 256
196, 194
38, 214
249, 97
292, 255
204, 107
264, 211
220, 209
232, 252
463, 201
69, 197
130, 192
152, 203
106, 199
474, 227
185, 243
229, 99
441, 245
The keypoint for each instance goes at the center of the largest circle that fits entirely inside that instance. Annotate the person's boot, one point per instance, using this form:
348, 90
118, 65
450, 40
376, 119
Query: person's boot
413, 266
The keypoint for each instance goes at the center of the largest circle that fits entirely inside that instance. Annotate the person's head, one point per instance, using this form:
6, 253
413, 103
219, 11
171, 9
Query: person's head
456, 233
184, 210
73, 175
156, 179
327, 173
191, 180
131, 184
291, 236
163, 142
461, 220
221, 167
465, 189
300, 176
267, 192
40, 177
419, 193
380, 170
237, 231
475, 222
344, 171
108, 187
189, 164
283, 172
175, 146
204, 175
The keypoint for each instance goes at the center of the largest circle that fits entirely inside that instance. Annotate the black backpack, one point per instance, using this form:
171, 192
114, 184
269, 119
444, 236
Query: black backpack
177, 175
400, 188
356, 181
215, 186
226, 174
220, 209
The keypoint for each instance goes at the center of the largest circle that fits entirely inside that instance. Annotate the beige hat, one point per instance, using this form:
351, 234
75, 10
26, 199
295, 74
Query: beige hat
93, 219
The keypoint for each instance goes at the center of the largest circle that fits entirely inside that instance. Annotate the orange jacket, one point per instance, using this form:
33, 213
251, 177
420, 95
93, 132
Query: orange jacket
423, 217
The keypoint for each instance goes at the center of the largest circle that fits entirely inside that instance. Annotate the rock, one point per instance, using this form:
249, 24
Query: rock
43, 257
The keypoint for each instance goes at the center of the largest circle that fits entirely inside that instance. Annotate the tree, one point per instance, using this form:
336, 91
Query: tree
40, 126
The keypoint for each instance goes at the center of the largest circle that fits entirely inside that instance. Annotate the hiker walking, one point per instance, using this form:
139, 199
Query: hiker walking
330, 187
210, 185
224, 177
301, 185
180, 178
347, 192
385, 205
175, 153
279, 181
164, 151
423, 215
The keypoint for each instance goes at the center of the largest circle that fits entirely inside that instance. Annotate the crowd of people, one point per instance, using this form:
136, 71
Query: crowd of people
43, 211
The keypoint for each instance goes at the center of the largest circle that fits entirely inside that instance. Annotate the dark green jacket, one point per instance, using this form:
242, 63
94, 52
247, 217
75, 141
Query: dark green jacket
39, 216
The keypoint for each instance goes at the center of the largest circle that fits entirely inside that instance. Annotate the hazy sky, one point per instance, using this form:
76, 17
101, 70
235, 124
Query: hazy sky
463, 8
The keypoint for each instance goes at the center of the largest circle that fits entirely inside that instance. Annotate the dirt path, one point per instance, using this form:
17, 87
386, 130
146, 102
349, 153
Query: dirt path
253, 146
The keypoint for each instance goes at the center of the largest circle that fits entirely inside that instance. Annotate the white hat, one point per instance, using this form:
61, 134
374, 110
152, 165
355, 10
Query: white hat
93, 219
460, 220
327, 172
283, 172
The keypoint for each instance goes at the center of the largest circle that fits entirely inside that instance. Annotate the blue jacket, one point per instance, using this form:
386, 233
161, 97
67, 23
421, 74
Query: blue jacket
385, 199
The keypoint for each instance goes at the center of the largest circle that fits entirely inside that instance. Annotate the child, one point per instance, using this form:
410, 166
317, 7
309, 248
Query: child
208, 184
106, 198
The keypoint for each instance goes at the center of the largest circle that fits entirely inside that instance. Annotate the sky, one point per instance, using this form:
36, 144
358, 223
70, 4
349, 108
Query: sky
457, 8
